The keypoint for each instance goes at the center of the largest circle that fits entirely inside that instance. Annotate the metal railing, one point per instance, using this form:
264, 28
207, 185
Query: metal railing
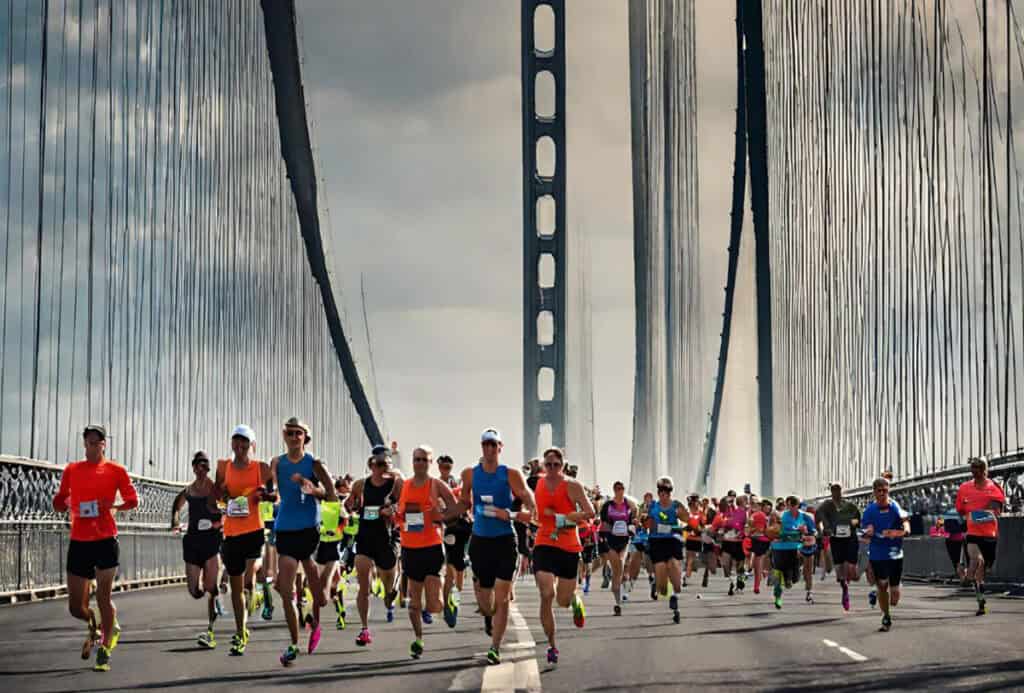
34, 537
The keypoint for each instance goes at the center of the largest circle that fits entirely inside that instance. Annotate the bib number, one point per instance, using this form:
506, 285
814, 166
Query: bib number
983, 516
89, 509
371, 512
664, 529
619, 529
731, 535
414, 522
204, 525
842, 531
238, 507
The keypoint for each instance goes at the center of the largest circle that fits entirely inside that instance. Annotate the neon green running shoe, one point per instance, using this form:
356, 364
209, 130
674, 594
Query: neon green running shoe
206, 640
102, 659
579, 612
416, 649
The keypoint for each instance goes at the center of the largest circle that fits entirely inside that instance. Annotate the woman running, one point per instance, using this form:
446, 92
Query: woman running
617, 517
695, 525
665, 521
757, 529
201, 543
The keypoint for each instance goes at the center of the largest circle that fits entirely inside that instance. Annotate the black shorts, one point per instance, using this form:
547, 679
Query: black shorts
695, 545
328, 552
238, 549
198, 548
760, 548
610, 542
86, 557
419, 564
493, 558
299, 544
890, 570
665, 548
588, 554
844, 549
734, 549
455, 539
987, 546
522, 539
787, 562
559, 562
380, 549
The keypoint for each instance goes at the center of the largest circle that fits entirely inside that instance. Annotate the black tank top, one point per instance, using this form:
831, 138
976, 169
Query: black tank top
374, 497
199, 509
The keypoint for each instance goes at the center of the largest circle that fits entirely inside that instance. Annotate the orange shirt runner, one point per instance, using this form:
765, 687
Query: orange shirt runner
89, 491
238, 483
974, 503
415, 509
558, 501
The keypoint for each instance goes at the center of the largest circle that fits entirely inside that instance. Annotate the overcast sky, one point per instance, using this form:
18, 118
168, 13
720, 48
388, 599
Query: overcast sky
416, 109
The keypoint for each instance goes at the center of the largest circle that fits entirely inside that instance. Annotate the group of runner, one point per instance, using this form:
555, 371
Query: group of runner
287, 526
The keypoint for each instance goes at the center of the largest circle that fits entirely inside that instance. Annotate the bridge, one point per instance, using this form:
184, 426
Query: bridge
172, 267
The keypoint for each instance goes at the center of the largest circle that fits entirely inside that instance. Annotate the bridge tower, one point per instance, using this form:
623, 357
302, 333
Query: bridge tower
544, 223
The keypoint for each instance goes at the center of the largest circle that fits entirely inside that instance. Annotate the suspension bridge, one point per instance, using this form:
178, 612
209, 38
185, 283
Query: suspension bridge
171, 268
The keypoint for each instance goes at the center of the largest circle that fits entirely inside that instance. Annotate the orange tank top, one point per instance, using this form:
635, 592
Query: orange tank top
242, 482
417, 529
558, 501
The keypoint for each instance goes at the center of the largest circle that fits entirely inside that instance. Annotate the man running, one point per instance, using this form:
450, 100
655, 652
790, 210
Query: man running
885, 524
241, 484
488, 489
618, 515
556, 555
268, 566
839, 519
981, 501
201, 543
374, 498
456, 538
790, 528
665, 521
419, 513
88, 492
729, 526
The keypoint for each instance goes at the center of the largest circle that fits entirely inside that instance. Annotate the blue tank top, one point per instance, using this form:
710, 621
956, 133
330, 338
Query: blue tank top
296, 510
665, 520
491, 490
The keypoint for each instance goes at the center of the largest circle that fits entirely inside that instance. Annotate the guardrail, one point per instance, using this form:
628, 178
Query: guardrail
34, 537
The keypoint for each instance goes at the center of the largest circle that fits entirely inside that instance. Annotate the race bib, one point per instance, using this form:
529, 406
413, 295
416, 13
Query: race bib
238, 507
731, 535
204, 525
371, 512
664, 529
843, 531
490, 510
487, 500
414, 522
983, 516
620, 529
449, 539
895, 552
89, 509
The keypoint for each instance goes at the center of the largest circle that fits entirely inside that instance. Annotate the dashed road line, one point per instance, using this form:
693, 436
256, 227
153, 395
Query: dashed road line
855, 656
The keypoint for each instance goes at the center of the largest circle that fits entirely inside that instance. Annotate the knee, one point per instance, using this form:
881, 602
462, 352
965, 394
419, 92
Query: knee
77, 610
564, 600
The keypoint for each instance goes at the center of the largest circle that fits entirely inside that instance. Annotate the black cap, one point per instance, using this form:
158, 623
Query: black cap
95, 428
380, 449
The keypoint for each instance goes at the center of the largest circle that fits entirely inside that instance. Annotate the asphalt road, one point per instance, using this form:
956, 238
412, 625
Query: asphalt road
937, 643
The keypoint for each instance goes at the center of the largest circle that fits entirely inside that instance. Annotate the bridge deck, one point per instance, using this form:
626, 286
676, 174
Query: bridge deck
936, 644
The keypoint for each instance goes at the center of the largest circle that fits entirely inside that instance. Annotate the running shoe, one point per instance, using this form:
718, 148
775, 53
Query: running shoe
488, 625
493, 656
777, 592
846, 598
704, 582
289, 656
268, 611
206, 639
307, 596
675, 616
732, 589
364, 638
391, 614
102, 659
427, 618
673, 603
654, 591
238, 643
617, 610
314, 638
684, 581
552, 655
579, 612
416, 649
625, 597
586, 585
741, 583
341, 621
886, 624
872, 598
92, 637
982, 608
115, 636
809, 598
757, 590
606, 581
450, 613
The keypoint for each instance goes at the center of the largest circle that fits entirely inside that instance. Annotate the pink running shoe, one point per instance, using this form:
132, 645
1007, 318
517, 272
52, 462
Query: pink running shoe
314, 638
364, 638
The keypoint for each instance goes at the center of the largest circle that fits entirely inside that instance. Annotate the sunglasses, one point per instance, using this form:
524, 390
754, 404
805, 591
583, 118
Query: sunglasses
552, 465
664, 489
381, 463
292, 433
489, 443
420, 459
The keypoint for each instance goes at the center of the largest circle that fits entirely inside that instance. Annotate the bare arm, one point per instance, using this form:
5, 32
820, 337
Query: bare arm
218, 485
521, 491
578, 495
353, 502
327, 492
179, 500
465, 502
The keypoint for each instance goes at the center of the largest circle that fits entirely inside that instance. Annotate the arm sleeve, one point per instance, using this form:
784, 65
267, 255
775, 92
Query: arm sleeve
60, 501
127, 489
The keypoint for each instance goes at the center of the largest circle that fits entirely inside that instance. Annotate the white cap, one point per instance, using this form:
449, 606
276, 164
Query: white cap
490, 435
243, 431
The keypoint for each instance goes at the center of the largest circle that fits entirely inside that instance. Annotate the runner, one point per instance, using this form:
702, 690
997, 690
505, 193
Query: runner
695, 524
373, 497
638, 556
728, 526
617, 517
810, 547
201, 543
557, 553
587, 532
885, 524
242, 483
790, 528
488, 488
524, 543
839, 519
268, 567
419, 514
456, 538
666, 543
981, 501
346, 549
757, 529
88, 492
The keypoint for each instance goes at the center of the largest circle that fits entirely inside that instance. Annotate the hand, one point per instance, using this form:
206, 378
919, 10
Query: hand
307, 487
387, 511
297, 478
524, 516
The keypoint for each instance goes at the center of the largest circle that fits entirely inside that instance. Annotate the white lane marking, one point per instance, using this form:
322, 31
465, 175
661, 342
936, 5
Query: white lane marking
855, 656
520, 675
